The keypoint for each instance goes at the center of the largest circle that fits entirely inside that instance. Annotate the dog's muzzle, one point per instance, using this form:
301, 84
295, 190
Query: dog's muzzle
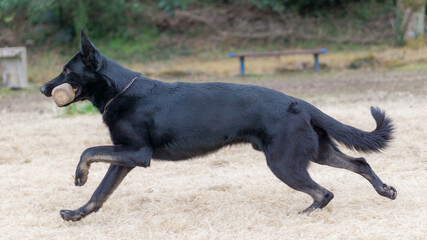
43, 90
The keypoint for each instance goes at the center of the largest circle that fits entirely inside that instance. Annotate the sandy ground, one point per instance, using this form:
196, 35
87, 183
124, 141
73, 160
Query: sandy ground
227, 195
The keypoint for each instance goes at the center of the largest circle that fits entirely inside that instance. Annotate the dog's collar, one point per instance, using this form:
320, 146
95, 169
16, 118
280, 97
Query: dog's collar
124, 89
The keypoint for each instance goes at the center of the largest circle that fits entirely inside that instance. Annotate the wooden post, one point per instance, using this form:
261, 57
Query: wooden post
14, 67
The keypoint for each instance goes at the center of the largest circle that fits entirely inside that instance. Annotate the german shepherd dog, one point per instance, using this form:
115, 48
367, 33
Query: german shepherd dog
149, 119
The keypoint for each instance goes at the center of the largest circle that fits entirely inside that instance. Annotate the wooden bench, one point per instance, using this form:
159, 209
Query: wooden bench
242, 56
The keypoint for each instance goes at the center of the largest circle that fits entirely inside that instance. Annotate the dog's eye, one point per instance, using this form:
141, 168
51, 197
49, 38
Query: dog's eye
68, 71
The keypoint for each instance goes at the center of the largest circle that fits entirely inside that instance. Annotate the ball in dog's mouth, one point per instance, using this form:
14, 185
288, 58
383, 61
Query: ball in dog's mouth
63, 94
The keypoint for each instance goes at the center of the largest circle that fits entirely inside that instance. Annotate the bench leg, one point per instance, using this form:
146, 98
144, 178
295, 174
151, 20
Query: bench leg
242, 66
316, 62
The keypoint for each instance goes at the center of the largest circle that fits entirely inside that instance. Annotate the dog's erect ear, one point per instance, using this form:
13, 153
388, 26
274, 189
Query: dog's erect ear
91, 57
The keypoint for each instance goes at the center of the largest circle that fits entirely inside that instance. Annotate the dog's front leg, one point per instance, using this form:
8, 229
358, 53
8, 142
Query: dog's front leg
111, 181
119, 155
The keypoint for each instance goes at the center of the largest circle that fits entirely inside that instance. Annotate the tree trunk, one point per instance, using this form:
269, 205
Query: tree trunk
416, 25
410, 19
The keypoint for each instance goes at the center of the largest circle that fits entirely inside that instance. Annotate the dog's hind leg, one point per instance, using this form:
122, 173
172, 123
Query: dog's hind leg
289, 162
299, 179
111, 181
330, 155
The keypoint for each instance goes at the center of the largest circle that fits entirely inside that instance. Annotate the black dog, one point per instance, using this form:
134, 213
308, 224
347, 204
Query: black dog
176, 121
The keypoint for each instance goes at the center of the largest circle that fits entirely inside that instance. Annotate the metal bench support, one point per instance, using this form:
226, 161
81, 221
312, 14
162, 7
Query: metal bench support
316, 62
242, 66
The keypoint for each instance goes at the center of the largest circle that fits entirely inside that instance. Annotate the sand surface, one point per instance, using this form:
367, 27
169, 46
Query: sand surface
227, 195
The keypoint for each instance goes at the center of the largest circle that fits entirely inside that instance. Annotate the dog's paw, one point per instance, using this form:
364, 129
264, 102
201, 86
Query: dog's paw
70, 215
81, 176
145, 164
388, 191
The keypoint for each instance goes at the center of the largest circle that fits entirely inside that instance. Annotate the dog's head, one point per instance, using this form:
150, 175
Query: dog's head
81, 72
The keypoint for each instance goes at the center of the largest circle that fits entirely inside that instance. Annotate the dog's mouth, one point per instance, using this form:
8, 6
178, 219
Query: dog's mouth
65, 94
77, 92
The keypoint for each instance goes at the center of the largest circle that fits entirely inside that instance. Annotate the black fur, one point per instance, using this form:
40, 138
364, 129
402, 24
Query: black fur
177, 121
355, 138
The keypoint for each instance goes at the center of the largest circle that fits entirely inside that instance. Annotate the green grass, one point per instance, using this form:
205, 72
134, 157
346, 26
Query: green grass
80, 109
6, 91
147, 46
413, 67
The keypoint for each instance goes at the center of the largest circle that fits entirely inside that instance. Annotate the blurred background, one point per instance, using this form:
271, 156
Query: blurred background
176, 38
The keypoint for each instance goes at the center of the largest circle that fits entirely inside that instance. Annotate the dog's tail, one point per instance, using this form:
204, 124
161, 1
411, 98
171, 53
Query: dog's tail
352, 137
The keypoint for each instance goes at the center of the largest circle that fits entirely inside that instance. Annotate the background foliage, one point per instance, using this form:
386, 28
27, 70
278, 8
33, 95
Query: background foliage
62, 20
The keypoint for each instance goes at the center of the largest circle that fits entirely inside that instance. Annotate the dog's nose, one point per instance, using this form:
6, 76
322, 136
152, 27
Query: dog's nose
43, 89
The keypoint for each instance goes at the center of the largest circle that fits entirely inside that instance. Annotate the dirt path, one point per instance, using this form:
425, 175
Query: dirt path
227, 195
